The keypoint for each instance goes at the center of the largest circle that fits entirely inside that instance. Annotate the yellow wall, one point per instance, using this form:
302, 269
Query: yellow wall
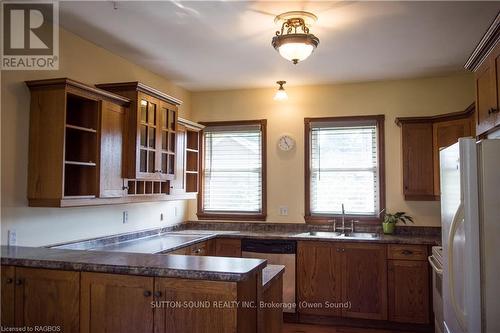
426, 96
88, 63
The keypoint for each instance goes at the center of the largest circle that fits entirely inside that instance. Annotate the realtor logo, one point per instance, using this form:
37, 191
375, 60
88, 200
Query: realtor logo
30, 33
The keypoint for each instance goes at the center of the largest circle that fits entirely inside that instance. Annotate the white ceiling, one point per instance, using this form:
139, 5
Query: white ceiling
206, 45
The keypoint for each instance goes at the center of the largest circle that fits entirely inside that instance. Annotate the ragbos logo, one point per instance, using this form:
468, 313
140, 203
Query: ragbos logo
30, 32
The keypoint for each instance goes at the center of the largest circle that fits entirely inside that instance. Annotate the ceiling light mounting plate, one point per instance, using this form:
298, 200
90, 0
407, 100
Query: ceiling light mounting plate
308, 18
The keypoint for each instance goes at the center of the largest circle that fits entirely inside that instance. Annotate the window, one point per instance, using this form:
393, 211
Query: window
233, 182
344, 166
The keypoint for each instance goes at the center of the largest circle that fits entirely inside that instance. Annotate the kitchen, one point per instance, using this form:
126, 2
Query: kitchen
141, 172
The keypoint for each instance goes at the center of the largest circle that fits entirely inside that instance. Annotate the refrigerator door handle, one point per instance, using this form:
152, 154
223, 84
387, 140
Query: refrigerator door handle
458, 217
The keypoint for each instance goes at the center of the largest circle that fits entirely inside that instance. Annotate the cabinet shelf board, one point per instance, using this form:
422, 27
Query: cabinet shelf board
80, 128
90, 164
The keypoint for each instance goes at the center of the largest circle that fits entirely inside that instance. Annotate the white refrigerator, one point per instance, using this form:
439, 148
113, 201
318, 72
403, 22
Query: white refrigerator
470, 214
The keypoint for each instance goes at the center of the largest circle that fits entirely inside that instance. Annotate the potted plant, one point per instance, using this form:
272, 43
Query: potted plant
390, 221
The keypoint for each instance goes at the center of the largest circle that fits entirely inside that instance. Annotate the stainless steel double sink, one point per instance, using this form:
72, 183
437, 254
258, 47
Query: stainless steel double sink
332, 234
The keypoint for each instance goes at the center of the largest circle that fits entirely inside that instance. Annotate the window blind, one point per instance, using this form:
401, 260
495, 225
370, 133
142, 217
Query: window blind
344, 169
233, 169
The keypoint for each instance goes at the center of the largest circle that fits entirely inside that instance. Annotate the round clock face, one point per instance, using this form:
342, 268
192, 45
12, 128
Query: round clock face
286, 143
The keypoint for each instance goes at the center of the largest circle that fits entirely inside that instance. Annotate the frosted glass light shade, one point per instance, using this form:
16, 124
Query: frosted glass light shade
281, 95
295, 47
295, 51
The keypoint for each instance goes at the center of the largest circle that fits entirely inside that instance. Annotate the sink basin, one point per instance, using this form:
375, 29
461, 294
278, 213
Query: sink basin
363, 235
331, 234
323, 234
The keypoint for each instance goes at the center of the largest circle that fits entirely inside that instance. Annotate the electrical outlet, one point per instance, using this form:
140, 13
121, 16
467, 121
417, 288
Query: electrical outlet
125, 217
283, 210
161, 216
11, 238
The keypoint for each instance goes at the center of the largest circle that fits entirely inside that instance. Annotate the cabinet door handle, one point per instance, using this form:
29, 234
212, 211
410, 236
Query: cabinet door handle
157, 294
494, 110
147, 293
9, 281
407, 252
19, 282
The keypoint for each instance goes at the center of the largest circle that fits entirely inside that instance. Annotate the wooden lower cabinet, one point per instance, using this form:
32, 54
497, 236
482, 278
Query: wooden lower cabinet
206, 248
115, 303
273, 316
227, 247
339, 273
318, 277
40, 297
7, 294
364, 280
409, 294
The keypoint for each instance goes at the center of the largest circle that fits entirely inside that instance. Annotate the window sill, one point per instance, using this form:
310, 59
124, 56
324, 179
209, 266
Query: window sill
322, 219
232, 216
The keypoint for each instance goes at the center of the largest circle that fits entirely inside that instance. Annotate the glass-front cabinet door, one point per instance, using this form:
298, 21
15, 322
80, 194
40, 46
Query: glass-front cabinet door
157, 130
148, 143
168, 129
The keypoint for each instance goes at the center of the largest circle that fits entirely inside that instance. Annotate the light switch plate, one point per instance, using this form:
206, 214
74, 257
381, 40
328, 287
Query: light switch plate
11, 238
125, 217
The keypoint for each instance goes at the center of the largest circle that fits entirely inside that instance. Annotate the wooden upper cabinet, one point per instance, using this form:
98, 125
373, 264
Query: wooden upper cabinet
318, 277
151, 131
364, 280
187, 159
418, 175
111, 146
485, 62
47, 298
116, 303
422, 138
73, 130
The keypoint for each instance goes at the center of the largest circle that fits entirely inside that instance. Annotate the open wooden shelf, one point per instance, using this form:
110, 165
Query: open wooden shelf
81, 148
147, 187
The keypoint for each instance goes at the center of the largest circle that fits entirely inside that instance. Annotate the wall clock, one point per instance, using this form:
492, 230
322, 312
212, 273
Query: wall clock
286, 143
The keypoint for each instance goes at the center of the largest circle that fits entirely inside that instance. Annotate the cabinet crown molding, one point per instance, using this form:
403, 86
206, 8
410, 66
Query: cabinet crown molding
64, 81
485, 46
437, 118
139, 86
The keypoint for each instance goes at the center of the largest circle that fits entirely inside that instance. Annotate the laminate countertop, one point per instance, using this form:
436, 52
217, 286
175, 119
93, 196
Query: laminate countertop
175, 266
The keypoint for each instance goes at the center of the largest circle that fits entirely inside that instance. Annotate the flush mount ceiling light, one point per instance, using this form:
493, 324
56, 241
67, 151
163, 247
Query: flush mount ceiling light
294, 42
281, 94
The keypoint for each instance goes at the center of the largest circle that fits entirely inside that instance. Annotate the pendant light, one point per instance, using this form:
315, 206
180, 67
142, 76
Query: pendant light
293, 41
281, 94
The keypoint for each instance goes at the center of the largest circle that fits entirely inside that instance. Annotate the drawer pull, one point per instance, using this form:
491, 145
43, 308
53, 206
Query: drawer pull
147, 293
9, 281
19, 282
407, 252
157, 294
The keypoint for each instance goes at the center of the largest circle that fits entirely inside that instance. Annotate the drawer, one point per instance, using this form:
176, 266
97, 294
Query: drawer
407, 252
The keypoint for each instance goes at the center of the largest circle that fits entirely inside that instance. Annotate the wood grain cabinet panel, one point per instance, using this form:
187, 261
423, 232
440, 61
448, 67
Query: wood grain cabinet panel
422, 138
7, 294
227, 247
318, 277
112, 303
486, 96
418, 173
409, 299
446, 133
364, 280
111, 150
47, 298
